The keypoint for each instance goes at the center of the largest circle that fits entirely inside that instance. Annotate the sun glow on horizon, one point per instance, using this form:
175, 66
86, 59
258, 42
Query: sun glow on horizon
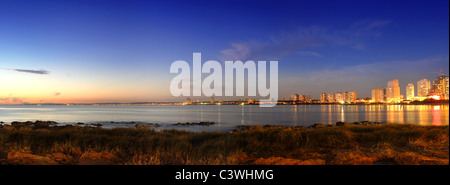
55, 88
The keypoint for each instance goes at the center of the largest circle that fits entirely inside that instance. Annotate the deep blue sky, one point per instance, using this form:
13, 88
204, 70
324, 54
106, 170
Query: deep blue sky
122, 50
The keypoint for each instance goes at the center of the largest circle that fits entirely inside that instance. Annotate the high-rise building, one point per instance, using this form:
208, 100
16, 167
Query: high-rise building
352, 97
393, 91
323, 98
446, 88
423, 88
212, 100
440, 86
410, 92
377, 95
339, 97
346, 97
302, 98
295, 97
188, 101
331, 98
308, 99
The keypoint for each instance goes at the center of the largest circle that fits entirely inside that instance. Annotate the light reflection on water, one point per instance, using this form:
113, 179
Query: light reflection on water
227, 117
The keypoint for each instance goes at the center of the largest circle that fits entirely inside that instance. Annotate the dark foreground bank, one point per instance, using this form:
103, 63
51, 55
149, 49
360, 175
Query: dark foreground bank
363, 143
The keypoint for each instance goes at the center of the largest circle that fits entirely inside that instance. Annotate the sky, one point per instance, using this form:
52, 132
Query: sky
121, 51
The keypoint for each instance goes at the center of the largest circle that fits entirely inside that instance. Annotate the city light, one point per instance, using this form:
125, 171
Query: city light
435, 97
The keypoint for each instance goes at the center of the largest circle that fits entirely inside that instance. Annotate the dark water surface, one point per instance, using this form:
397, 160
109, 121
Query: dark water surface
226, 117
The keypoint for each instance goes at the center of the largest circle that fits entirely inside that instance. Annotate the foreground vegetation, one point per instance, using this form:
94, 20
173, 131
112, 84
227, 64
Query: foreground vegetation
341, 144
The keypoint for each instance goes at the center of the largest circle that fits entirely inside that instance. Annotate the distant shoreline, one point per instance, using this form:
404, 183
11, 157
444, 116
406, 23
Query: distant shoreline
441, 102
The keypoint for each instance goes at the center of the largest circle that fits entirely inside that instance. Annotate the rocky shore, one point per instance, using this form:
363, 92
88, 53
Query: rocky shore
202, 123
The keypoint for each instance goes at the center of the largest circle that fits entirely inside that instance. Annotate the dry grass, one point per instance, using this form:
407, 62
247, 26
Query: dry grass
336, 145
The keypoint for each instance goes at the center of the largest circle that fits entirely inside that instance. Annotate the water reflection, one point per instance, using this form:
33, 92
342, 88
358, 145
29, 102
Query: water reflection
395, 114
219, 120
436, 115
242, 115
330, 115
294, 115
230, 116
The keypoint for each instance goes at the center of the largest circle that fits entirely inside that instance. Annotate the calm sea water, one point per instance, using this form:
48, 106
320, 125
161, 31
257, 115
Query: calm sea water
227, 117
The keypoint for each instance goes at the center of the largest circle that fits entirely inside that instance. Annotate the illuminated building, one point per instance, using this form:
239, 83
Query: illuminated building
212, 100
423, 88
346, 97
188, 101
323, 98
410, 92
308, 99
331, 98
377, 95
440, 86
352, 97
302, 98
446, 88
340, 97
393, 91
295, 97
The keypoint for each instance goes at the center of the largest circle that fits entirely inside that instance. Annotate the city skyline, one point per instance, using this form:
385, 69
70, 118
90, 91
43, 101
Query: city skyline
439, 90
117, 51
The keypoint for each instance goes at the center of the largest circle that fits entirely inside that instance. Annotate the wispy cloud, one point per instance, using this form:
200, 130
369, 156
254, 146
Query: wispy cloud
308, 53
302, 41
39, 72
368, 27
238, 51
9, 100
277, 46
57, 94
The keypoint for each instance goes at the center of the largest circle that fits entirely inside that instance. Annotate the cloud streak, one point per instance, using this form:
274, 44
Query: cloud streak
309, 53
39, 72
302, 41
9, 100
283, 44
369, 25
